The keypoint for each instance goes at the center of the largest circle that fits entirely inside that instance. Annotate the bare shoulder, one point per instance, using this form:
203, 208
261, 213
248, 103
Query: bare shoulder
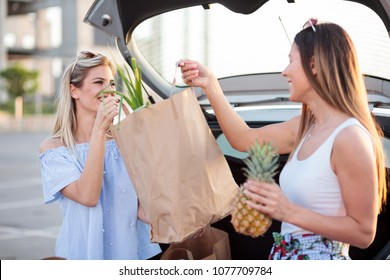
49, 143
354, 139
354, 134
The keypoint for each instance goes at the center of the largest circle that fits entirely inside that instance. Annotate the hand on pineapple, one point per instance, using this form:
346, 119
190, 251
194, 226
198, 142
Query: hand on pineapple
261, 166
268, 198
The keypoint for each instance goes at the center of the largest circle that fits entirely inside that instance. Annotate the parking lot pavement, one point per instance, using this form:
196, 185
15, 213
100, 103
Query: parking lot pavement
28, 227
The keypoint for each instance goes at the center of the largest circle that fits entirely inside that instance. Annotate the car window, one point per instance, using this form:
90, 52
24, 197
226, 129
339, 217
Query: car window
235, 44
386, 146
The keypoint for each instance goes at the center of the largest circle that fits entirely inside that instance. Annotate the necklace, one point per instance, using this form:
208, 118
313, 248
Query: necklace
308, 135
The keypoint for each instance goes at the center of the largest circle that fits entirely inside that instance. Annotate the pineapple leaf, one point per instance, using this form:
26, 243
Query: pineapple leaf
262, 162
132, 91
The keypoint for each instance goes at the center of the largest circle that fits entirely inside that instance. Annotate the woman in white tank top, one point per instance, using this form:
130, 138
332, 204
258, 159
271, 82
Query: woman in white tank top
333, 186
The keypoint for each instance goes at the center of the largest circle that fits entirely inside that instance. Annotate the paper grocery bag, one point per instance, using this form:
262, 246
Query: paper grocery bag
178, 170
212, 245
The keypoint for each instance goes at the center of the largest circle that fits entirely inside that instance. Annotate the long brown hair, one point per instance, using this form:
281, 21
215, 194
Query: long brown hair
340, 83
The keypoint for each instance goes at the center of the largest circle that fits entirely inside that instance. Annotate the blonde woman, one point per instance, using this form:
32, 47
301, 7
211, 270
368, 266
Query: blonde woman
83, 171
333, 185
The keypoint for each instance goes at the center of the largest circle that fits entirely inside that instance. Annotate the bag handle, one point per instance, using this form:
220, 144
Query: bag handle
174, 80
126, 110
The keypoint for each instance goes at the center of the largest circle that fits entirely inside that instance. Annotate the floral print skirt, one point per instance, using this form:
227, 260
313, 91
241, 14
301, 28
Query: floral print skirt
307, 247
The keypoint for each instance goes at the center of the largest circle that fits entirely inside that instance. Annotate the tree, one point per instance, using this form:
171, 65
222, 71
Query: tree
19, 80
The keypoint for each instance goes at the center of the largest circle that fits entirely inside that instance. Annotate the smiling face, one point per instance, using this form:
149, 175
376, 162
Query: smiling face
296, 77
87, 98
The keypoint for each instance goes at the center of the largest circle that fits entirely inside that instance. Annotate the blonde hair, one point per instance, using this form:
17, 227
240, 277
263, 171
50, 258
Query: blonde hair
75, 73
340, 83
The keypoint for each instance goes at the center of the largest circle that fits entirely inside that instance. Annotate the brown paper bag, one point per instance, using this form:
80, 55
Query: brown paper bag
212, 245
178, 170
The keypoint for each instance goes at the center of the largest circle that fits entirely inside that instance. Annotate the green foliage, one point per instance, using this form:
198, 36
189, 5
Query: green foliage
29, 107
19, 80
132, 91
262, 162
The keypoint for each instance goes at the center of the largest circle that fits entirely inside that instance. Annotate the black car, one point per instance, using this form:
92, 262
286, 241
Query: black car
246, 43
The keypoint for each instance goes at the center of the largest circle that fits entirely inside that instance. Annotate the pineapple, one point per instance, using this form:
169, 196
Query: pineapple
261, 166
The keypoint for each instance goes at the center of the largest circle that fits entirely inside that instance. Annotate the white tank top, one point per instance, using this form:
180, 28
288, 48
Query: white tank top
311, 183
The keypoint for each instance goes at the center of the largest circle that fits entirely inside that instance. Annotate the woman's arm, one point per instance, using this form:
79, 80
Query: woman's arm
238, 133
86, 190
